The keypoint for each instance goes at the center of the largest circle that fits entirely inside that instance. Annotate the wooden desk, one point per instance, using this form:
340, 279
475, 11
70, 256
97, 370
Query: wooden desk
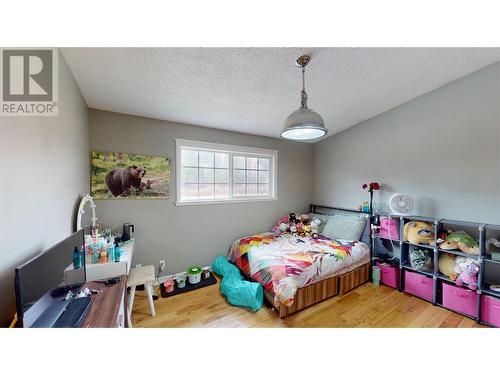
108, 308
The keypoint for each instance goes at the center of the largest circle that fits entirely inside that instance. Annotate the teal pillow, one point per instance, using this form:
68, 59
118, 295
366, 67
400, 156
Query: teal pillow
349, 227
323, 218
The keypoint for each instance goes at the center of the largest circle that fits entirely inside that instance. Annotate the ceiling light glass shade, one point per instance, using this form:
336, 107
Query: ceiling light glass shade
304, 124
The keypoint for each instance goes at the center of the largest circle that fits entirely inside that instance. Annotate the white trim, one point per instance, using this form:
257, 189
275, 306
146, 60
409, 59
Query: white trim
223, 147
222, 201
233, 150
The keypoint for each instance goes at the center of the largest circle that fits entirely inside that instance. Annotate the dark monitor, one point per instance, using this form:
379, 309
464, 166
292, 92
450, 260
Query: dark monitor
38, 279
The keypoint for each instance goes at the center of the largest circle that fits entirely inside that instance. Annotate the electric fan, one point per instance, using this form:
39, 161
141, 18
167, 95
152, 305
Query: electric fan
401, 204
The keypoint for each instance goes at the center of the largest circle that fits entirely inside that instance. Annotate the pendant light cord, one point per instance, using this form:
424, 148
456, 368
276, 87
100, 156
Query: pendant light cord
303, 95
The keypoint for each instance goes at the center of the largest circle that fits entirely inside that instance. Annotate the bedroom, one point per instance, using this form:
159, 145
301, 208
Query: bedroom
349, 186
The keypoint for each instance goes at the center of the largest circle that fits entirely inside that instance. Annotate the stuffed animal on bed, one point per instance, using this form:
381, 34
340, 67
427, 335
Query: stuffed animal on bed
282, 225
468, 275
315, 223
461, 241
307, 231
300, 225
304, 219
419, 233
300, 228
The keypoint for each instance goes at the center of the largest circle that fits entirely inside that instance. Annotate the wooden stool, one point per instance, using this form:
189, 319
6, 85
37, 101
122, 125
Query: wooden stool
139, 276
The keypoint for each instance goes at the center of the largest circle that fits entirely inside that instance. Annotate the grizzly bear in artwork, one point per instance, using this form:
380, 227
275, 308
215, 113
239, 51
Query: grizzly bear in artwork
120, 180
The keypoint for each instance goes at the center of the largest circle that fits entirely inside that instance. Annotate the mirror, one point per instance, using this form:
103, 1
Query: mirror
85, 203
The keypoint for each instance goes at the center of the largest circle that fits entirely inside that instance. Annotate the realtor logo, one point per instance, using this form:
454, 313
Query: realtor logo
29, 82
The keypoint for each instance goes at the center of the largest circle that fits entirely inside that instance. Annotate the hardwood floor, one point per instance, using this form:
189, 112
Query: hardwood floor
365, 306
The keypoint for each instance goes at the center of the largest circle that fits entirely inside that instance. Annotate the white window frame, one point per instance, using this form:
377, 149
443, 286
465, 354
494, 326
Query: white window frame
233, 150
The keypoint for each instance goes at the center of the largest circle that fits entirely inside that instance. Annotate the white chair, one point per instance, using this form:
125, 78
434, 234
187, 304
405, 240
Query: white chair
139, 276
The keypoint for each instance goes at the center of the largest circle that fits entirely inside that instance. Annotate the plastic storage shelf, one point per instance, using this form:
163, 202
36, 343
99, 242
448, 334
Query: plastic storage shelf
419, 245
490, 292
458, 253
410, 268
443, 290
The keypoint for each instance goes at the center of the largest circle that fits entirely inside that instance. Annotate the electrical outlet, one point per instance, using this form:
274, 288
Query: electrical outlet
162, 265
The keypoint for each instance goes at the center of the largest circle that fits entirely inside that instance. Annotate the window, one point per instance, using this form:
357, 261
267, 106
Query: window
210, 172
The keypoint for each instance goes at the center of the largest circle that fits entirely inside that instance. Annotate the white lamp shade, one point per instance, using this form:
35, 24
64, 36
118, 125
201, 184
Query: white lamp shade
304, 124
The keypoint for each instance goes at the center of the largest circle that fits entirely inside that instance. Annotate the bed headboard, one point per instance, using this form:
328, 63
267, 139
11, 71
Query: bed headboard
325, 210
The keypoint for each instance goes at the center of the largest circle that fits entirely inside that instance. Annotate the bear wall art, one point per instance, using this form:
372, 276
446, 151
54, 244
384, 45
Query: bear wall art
116, 175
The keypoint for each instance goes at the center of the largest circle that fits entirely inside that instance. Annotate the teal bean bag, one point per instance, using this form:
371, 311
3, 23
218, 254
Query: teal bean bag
238, 291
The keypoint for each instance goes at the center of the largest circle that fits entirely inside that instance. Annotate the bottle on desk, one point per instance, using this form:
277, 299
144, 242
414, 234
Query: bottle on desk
77, 259
103, 255
111, 251
82, 256
118, 250
95, 253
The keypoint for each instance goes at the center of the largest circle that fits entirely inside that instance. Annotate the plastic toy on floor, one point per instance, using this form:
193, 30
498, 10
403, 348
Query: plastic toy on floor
238, 292
468, 276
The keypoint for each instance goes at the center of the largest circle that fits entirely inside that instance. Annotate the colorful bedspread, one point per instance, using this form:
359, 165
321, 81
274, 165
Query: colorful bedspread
283, 263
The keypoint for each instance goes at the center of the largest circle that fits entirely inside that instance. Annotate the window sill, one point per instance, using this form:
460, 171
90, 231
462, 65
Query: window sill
229, 201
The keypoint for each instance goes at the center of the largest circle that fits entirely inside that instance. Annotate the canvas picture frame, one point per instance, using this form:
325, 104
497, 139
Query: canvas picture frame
119, 175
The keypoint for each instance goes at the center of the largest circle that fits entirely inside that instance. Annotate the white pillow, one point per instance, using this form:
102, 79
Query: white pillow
349, 228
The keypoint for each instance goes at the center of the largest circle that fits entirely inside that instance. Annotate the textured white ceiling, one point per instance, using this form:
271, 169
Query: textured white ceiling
252, 90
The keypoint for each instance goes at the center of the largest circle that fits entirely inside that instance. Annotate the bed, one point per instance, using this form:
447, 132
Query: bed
297, 272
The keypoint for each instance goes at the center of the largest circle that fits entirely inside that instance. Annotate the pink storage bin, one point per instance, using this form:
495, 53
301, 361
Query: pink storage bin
389, 275
459, 299
418, 285
389, 228
490, 310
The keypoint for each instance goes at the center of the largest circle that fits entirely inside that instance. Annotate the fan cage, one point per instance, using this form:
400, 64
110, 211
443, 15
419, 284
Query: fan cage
407, 207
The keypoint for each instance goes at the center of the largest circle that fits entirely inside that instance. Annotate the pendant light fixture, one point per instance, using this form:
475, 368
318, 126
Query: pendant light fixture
303, 124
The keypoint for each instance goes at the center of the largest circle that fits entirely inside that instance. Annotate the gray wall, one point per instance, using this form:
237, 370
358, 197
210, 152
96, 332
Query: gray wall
194, 235
45, 167
442, 148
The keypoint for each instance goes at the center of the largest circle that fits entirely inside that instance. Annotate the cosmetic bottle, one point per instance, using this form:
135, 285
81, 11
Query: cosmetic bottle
77, 260
82, 256
118, 250
111, 251
104, 255
95, 253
